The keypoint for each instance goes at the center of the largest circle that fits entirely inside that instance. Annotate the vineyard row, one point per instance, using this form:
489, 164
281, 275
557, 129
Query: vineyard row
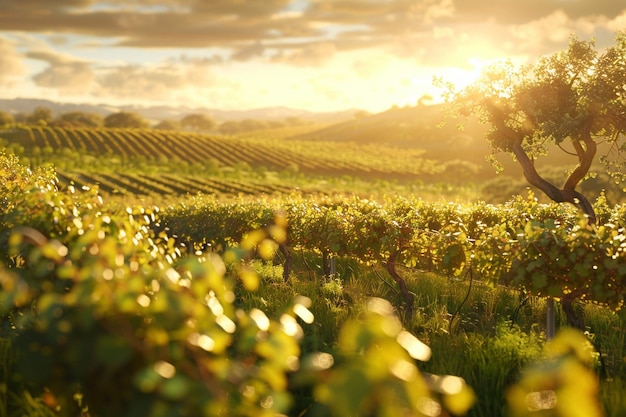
546, 250
191, 148
165, 184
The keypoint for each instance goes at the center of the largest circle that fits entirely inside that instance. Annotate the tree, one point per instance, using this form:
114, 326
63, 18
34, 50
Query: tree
230, 127
79, 119
125, 119
198, 122
6, 118
574, 99
167, 125
41, 115
250, 125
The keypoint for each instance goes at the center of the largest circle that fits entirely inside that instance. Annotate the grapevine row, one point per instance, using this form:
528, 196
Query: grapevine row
166, 184
310, 157
546, 250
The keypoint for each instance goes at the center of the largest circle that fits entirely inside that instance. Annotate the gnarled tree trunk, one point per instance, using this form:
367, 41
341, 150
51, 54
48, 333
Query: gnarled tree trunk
585, 148
406, 295
288, 261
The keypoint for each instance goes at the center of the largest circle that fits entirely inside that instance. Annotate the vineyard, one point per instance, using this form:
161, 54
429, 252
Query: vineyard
276, 297
116, 151
207, 306
158, 164
167, 184
545, 250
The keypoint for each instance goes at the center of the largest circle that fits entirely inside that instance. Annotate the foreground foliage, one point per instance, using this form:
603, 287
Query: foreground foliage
106, 317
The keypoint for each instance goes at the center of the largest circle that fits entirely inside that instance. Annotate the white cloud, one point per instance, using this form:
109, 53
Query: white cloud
441, 9
618, 23
554, 30
11, 64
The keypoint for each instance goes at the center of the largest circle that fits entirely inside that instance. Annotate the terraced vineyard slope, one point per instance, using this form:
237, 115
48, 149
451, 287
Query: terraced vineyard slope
149, 161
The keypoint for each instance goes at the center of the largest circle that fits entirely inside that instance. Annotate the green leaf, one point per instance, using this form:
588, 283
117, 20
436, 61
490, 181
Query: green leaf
539, 280
112, 351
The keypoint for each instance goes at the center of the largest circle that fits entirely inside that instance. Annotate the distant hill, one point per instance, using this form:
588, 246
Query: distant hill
423, 127
410, 144
155, 113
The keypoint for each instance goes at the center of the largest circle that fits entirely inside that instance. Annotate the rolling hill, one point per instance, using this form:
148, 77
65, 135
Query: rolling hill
399, 150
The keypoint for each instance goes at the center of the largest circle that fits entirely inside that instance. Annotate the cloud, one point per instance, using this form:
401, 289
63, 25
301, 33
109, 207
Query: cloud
314, 54
144, 83
70, 78
64, 73
544, 34
617, 23
11, 65
246, 53
165, 50
249, 28
516, 13
159, 83
371, 66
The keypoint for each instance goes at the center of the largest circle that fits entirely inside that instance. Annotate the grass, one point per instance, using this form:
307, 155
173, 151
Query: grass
486, 335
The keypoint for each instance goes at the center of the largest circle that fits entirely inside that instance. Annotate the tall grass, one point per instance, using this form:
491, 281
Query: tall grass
487, 335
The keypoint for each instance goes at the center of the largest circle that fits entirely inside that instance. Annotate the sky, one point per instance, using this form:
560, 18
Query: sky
317, 55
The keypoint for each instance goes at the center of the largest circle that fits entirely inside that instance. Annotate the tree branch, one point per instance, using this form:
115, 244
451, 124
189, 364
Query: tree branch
585, 157
568, 194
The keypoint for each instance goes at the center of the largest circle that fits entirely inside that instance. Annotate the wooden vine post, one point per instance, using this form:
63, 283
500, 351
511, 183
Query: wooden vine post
550, 319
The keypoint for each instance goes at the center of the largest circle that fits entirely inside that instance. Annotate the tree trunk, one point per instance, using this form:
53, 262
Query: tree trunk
573, 318
288, 261
513, 142
566, 195
406, 295
326, 264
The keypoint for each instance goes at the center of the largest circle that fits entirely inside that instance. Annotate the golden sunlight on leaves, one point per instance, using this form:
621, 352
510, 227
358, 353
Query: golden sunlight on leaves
261, 320
226, 323
416, 348
201, 340
304, 313
165, 369
290, 326
249, 278
562, 383
322, 360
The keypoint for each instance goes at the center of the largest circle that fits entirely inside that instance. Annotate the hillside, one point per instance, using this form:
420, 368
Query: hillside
403, 150
460, 152
423, 127
149, 161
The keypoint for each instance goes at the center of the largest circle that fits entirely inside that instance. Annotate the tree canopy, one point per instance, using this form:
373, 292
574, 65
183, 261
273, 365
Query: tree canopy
6, 118
125, 119
198, 122
572, 101
41, 115
168, 125
79, 119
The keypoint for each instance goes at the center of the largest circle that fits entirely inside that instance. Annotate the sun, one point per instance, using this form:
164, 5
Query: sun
465, 76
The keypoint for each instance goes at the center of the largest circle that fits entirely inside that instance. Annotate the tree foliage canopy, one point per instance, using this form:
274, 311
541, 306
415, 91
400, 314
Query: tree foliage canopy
198, 122
574, 99
125, 119
41, 115
79, 119
6, 118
